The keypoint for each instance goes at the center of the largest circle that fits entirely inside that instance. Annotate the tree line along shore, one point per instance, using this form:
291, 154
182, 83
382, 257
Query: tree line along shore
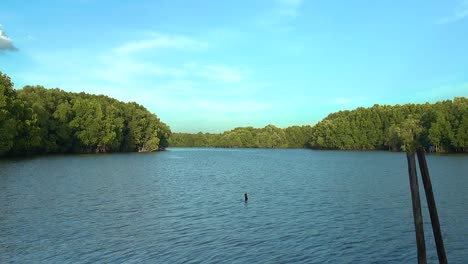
39, 120
36, 120
439, 127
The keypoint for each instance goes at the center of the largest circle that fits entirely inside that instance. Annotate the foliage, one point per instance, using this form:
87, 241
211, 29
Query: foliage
39, 120
399, 127
18, 122
443, 125
246, 137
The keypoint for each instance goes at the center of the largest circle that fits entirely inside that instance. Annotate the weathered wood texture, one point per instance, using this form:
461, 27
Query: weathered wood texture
416, 201
432, 206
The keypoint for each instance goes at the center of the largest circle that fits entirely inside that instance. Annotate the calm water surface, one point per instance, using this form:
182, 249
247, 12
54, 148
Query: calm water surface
185, 206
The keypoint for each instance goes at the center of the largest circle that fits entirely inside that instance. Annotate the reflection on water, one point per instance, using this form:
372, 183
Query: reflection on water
187, 205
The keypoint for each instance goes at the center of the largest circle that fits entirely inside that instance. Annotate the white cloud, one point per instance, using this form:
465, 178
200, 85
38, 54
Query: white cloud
159, 41
5, 42
123, 63
194, 90
124, 69
461, 12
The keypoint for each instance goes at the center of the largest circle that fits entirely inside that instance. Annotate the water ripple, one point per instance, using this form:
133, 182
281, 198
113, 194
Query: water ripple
186, 206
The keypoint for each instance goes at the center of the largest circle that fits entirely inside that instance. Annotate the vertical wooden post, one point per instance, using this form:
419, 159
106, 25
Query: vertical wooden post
432, 206
418, 223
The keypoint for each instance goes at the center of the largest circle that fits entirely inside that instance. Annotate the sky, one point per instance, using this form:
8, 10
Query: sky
211, 65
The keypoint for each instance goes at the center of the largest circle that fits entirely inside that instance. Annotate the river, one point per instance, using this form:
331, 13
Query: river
186, 206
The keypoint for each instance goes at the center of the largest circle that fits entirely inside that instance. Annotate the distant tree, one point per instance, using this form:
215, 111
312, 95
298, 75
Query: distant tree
441, 133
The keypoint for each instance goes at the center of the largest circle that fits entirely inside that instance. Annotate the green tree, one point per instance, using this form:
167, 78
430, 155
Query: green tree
441, 133
19, 132
410, 132
8, 120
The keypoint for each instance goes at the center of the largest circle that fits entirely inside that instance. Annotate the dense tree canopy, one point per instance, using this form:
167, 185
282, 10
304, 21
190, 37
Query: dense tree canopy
39, 120
442, 126
401, 127
18, 123
247, 137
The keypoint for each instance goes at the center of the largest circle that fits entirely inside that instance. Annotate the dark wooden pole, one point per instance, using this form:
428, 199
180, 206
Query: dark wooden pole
432, 206
418, 223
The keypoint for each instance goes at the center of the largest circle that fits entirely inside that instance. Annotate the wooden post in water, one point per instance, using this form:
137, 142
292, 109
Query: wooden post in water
418, 223
432, 206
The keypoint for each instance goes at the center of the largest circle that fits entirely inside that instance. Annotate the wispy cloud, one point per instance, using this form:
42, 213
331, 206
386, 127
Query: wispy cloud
185, 85
5, 42
221, 73
279, 16
160, 41
461, 12
124, 69
140, 59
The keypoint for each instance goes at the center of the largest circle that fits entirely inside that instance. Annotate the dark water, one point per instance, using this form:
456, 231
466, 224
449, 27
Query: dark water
186, 206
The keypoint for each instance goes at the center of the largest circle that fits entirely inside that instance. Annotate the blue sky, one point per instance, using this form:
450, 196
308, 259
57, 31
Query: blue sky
214, 65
